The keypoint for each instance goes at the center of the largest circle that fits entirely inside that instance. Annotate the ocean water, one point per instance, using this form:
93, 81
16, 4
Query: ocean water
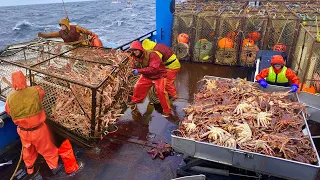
114, 21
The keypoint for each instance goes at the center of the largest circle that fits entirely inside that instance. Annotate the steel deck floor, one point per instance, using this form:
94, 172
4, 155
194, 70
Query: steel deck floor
123, 155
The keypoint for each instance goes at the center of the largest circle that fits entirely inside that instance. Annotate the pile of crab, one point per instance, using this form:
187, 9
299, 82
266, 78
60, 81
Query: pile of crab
235, 113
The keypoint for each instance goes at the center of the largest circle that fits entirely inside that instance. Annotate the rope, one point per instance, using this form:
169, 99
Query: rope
15, 171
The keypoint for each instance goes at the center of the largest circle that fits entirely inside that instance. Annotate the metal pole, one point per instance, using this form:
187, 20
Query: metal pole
93, 111
308, 64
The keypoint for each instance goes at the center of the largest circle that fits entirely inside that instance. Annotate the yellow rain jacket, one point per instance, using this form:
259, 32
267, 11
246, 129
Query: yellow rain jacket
168, 57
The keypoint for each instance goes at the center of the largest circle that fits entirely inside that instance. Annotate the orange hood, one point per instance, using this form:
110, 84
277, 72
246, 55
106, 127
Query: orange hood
136, 45
277, 59
18, 80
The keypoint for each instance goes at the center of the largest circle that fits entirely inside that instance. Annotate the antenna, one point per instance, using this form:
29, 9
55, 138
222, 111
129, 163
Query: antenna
65, 11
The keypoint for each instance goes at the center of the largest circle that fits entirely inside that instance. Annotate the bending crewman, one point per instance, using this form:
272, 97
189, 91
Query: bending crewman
153, 70
171, 62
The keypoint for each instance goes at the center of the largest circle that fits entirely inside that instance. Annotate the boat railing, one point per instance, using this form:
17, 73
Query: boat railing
141, 38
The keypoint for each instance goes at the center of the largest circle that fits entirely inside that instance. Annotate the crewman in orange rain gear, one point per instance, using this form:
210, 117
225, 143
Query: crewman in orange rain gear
69, 33
171, 62
149, 64
24, 106
278, 74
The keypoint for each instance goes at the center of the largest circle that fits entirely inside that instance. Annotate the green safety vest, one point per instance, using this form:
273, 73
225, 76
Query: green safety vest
277, 78
24, 103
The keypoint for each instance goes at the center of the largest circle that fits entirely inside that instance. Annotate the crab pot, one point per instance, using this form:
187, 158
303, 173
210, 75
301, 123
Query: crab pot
229, 27
205, 37
20, 57
86, 90
255, 27
282, 31
302, 51
183, 22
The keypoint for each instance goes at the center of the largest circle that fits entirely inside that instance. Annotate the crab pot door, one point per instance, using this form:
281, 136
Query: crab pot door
227, 54
183, 22
204, 39
254, 30
282, 31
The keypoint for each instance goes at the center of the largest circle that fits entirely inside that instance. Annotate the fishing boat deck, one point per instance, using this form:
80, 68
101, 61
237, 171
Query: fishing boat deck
123, 154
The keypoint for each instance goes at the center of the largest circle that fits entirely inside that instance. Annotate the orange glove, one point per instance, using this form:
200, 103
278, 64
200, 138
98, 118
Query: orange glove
94, 35
40, 34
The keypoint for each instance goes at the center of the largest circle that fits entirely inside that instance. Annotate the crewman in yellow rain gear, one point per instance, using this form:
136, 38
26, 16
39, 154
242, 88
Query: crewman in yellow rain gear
69, 33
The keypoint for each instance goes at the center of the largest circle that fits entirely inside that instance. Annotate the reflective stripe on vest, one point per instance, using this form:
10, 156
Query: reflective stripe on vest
172, 63
24, 103
277, 78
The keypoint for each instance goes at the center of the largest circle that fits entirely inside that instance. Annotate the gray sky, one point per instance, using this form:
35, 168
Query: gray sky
25, 2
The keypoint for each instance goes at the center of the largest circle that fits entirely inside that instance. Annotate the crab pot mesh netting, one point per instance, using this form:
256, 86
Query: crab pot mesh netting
183, 22
306, 62
31, 54
205, 37
311, 77
5, 74
67, 104
302, 50
282, 31
253, 35
229, 27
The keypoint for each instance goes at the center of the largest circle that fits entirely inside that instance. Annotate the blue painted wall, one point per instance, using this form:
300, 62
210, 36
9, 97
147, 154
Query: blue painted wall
8, 133
164, 20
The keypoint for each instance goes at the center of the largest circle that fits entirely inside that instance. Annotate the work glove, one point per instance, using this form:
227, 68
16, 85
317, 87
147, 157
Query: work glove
40, 34
263, 83
135, 71
294, 88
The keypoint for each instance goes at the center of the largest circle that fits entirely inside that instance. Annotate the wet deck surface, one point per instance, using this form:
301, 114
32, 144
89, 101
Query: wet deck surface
123, 154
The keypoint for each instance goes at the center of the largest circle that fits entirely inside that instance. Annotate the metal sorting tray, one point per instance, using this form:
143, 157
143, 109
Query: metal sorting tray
256, 162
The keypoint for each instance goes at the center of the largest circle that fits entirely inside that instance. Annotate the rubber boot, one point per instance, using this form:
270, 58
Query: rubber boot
68, 158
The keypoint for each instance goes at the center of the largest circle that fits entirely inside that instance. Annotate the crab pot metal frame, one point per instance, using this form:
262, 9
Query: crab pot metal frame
229, 25
55, 85
256, 21
306, 60
203, 50
183, 22
279, 25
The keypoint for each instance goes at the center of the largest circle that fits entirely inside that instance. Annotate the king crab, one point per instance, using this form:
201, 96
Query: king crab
283, 125
259, 146
263, 119
216, 135
161, 150
242, 107
244, 132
